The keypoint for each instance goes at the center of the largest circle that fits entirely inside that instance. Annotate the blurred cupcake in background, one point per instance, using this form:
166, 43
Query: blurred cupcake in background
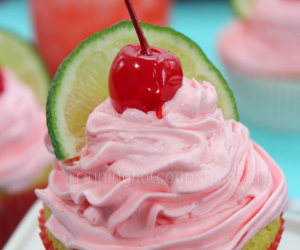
261, 54
24, 161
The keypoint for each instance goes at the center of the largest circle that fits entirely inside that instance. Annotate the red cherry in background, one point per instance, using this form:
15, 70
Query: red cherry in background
142, 76
1, 82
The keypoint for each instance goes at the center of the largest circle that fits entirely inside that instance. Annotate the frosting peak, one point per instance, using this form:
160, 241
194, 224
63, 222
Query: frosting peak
170, 183
23, 157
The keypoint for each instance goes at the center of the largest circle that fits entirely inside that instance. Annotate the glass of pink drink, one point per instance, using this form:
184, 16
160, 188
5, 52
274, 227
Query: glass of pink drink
60, 25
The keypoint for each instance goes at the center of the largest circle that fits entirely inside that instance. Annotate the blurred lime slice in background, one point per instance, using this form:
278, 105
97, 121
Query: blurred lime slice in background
23, 60
242, 8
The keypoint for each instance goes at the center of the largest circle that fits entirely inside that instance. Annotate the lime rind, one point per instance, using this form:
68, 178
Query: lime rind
111, 40
21, 57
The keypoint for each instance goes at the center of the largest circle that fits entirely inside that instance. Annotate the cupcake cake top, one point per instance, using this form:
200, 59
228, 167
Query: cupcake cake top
22, 125
171, 183
267, 42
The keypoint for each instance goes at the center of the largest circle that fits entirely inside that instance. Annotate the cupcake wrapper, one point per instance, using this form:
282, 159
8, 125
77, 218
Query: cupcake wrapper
272, 103
49, 246
12, 210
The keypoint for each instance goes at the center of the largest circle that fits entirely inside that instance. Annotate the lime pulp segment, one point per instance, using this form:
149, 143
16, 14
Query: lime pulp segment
81, 82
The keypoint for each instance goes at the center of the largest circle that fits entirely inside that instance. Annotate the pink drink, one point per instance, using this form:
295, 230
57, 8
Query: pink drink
61, 25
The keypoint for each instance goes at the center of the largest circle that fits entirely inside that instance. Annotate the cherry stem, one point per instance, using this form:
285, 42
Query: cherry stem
143, 41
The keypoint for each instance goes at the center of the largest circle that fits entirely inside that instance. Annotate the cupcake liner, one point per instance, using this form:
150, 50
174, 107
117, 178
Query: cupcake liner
49, 245
268, 102
14, 207
12, 210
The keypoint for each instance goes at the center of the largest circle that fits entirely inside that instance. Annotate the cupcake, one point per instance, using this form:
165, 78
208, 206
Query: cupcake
24, 162
262, 59
170, 170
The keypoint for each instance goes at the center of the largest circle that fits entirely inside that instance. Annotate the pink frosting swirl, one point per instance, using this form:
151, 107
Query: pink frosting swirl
190, 180
266, 44
23, 156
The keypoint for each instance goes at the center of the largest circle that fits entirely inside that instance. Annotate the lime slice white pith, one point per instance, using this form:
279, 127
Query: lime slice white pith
242, 7
23, 60
81, 82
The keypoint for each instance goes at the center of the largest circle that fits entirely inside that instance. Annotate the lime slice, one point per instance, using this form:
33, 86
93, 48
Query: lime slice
23, 60
242, 8
81, 82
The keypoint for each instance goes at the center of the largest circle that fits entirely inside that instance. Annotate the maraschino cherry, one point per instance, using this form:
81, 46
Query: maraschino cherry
142, 76
1, 82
